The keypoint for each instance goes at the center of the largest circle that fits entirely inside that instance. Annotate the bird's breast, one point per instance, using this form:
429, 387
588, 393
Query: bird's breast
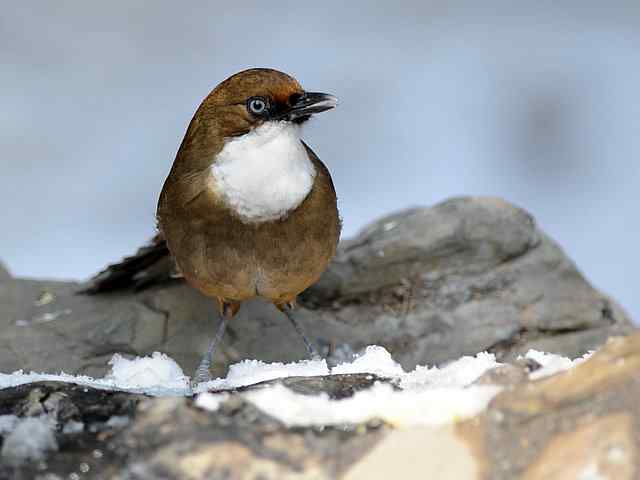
264, 174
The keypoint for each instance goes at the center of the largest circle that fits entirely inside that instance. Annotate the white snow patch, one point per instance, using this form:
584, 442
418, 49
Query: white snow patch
144, 372
460, 373
30, 439
552, 363
428, 396
249, 372
158, 375
424, 396
375, 359
210, 401
436, 406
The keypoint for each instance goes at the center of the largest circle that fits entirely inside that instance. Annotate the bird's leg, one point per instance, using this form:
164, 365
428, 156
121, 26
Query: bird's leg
287, 309
202, 372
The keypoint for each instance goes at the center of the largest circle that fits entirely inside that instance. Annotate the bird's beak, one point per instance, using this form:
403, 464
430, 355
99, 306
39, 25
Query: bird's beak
309, 103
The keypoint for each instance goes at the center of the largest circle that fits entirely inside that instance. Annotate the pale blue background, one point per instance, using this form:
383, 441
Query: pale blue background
537, 102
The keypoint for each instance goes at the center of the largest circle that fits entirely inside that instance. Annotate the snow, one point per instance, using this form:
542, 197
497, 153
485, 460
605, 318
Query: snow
551, 363
158, 375
30, 439
423, 396
460, 373
427, 396
375, 359
144, 372
436, 406
249, 372
211, 401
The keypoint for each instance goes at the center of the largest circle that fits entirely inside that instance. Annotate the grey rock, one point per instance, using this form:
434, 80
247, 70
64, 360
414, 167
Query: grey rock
4, 273
124, 435
30, 440
468, 275
547, 428
429, 284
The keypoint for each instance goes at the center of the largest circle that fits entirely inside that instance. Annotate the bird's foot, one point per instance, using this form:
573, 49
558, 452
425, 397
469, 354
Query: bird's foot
201, 375
312, 353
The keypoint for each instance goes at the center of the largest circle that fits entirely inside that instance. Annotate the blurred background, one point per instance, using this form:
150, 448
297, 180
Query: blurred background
536, 102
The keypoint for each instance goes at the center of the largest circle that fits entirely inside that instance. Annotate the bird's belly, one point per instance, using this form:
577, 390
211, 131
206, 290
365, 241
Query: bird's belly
275, 269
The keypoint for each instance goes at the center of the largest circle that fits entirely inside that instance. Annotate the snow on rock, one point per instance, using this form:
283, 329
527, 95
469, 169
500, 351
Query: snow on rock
551, 363
30, 439
249, 372
436, 406
145, 372
375, 359
211, 401
158, 375
428, 396
459, 373
424, 396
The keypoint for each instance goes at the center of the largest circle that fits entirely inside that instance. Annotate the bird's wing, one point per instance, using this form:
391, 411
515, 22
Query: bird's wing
324, 171
151, 264
319, 165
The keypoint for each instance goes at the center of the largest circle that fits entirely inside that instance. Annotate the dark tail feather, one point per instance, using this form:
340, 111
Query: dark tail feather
151, 264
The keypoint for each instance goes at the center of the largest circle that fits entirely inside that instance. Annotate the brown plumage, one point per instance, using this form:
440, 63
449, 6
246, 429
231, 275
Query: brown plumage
217, 250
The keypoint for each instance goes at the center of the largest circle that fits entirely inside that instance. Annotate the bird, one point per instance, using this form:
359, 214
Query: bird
248, 209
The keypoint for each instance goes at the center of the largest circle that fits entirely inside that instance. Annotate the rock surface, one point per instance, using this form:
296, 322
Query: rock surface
576, 425
4, 273
428, 284
582, 424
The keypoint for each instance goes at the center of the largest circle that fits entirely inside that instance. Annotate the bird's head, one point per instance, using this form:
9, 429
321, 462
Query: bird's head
252, 97
255, 105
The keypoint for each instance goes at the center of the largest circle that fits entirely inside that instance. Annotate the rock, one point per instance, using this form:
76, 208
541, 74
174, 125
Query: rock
468, 275
4, 273
30, 440
579, 424
48, 327
428, 284
171, 438
335, 386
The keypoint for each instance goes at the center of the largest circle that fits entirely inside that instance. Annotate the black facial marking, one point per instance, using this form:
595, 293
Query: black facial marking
293, 98
265, 108
279, 111
301, 120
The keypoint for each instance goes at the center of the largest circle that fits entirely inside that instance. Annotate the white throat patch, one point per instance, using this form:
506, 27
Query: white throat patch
264, 174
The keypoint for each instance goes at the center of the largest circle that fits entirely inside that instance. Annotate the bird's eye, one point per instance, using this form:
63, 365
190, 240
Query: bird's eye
257, 105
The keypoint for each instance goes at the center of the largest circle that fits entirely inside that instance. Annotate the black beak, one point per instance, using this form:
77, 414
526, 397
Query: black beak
307, 104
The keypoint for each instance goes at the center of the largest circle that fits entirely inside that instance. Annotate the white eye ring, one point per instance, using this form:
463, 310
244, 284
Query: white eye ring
257, 105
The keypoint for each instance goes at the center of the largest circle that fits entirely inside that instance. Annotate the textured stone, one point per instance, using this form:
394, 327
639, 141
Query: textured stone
428, 284
170, 438
580, 424
4, 273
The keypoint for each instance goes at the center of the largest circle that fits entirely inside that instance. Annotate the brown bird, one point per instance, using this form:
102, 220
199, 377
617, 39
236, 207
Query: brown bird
248, 210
